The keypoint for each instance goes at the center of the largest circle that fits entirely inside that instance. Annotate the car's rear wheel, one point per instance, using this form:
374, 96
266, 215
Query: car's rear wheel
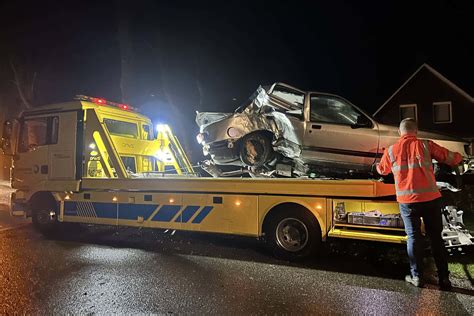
256, 149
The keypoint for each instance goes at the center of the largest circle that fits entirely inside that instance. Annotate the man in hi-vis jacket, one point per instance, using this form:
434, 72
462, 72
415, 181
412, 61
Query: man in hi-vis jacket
410, 161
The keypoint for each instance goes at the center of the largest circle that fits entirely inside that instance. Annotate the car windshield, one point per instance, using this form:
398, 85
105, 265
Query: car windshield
293, 100
290, 96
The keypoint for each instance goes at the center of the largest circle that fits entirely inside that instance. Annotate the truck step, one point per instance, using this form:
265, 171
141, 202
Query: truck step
367, 235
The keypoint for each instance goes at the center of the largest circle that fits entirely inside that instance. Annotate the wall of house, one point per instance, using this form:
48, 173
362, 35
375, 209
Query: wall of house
424, 89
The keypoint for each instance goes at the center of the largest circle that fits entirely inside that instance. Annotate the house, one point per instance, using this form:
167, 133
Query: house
434, 101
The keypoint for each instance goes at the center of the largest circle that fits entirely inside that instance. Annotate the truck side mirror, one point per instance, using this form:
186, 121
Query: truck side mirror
7, 141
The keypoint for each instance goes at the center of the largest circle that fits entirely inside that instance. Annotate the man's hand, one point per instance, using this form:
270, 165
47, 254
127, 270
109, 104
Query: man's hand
375, 171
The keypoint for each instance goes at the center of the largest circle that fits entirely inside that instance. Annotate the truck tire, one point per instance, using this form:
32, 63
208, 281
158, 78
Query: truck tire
293, 233
255, 149
45, 217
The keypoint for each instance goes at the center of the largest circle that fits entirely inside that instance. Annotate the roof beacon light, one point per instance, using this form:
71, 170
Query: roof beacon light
101, 101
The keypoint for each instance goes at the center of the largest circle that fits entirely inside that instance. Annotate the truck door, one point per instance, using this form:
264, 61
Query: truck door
336, 131
62, 154
46, 149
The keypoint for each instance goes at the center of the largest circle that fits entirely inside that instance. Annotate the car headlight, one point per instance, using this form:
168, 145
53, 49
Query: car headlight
233, 132
201, 138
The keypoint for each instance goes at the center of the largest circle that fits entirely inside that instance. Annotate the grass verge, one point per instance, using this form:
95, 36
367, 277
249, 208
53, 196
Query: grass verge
462, 266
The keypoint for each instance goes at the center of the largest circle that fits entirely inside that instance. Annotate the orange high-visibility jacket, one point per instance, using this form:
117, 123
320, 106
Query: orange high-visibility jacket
410, 161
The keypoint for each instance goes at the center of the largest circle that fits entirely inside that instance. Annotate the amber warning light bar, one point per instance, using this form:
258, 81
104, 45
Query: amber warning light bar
101, 101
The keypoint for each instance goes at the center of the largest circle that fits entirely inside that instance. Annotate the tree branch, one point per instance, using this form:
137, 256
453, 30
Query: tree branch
19, 88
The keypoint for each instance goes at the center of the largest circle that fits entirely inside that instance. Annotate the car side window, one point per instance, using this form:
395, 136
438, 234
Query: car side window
329, 109
38, 132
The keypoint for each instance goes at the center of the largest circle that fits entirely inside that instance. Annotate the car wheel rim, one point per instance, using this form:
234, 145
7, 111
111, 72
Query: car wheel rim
292, 234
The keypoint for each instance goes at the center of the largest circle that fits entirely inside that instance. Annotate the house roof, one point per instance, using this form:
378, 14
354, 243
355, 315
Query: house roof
436, 74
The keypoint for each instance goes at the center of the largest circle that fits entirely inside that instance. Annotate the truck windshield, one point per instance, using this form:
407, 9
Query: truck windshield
121, 128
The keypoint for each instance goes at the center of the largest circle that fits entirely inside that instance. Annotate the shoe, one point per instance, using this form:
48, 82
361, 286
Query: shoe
416, 281
445, 284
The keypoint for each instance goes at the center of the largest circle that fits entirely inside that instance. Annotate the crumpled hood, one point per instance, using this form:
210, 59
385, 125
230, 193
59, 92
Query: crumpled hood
260, 114
205, 118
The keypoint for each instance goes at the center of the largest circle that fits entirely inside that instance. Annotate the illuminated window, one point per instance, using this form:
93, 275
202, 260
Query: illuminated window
408, 111
442, 112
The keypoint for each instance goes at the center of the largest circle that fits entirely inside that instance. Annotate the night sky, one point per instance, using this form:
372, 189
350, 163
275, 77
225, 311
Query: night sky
212, 56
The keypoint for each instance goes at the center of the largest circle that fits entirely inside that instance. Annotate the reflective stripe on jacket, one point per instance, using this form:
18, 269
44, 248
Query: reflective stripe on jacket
410, 161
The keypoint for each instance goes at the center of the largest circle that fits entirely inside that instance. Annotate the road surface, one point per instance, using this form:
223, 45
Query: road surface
102, 270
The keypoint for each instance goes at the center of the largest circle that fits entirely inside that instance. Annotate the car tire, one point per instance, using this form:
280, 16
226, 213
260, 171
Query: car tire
45, 218
255, 150
293, 233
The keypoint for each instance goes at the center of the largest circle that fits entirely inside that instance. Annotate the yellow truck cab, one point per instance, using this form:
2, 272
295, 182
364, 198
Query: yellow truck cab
45, 152
96, 162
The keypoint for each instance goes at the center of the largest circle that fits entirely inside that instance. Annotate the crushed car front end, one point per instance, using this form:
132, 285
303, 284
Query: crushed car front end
221, 134
219, 138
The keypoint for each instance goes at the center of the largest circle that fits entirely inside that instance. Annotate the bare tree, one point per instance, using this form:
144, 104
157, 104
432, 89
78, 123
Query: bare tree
24, 87
126, 49
197, 76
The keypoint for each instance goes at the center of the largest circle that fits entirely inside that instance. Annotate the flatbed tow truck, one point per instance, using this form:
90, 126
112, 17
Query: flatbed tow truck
76, 162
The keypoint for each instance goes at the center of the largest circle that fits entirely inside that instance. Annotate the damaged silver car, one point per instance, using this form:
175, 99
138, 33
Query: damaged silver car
285, 131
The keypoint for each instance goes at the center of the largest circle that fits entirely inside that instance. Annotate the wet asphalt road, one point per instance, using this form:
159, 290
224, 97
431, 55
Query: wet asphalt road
115, 270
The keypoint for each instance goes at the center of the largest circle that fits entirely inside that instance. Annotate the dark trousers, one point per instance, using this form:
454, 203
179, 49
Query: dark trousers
431, 214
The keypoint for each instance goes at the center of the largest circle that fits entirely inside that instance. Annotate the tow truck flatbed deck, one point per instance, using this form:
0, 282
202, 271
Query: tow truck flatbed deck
260, 186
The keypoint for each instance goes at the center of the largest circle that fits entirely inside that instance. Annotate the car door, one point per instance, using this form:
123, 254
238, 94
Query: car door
337, 132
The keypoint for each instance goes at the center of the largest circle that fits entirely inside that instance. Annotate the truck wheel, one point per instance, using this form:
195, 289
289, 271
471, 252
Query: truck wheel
255, 149
293, 234
45, 218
